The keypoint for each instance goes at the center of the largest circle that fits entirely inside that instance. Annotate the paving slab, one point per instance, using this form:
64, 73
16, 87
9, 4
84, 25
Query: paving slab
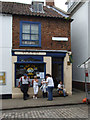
75, 98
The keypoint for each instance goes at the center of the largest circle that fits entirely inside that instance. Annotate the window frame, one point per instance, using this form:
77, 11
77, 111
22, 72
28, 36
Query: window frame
31, 45
37, 7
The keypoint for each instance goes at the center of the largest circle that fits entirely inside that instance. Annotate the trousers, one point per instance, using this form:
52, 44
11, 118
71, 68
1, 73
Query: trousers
50, 93
24, 89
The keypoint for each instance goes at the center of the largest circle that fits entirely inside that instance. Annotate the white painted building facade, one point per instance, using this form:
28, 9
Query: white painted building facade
80, 39
5, 53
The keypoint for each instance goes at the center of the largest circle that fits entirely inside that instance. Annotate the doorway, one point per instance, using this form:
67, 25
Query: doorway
57, 70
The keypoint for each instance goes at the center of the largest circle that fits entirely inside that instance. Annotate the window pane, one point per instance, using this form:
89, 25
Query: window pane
34, 29
26, 37
40, 7
30, 42
26, 28
34, 37
25, 42
35, 7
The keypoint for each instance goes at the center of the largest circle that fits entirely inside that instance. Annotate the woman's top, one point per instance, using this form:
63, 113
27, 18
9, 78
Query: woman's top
60, 86
50, 82
35, 84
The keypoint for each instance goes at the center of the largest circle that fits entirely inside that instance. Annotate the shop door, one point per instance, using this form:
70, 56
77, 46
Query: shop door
57, 70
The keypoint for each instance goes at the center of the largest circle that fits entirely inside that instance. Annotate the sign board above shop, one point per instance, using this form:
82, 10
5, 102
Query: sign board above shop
60, 38
52, 53
30, 53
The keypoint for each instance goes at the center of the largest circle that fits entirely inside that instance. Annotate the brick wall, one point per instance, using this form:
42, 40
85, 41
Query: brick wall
50, 27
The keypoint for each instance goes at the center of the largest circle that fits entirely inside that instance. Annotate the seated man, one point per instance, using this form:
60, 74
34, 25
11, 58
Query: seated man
61, 88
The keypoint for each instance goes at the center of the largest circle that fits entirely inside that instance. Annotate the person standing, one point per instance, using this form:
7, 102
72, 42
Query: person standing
44, 88
35, 87
50, 84
25, 83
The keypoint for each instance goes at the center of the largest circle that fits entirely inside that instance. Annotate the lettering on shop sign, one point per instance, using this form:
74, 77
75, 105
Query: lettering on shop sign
30, 53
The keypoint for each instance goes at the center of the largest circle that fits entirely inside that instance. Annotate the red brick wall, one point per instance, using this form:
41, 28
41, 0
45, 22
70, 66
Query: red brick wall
50, 27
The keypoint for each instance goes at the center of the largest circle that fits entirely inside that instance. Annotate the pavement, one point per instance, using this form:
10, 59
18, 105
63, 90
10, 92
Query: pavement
18, 103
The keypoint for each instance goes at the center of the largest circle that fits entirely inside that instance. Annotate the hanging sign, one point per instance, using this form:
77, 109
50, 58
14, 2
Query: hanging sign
86, 73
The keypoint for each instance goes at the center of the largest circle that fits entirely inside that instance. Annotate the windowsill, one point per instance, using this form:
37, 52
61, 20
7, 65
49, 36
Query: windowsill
29, 45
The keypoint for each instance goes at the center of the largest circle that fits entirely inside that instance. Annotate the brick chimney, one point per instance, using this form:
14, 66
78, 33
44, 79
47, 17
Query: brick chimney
50, 2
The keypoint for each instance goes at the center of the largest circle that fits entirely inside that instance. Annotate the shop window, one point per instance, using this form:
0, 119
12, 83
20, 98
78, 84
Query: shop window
32, 69
30, 34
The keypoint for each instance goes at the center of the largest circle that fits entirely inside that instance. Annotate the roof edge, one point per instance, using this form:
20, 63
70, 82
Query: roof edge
67, 13
74, 8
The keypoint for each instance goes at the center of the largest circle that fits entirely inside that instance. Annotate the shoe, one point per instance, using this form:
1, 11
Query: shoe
35, 97
49, 100
25, 98
27, 95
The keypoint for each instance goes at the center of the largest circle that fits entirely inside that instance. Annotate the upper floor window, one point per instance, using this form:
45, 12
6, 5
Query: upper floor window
37, 6
30, 33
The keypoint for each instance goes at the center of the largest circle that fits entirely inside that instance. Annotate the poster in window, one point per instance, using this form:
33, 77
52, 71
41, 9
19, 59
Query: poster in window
2, 78
41, 74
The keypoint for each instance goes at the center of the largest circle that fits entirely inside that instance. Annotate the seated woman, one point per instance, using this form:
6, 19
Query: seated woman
61, 88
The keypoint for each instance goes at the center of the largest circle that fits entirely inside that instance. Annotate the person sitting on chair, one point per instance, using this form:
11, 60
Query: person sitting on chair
61, 88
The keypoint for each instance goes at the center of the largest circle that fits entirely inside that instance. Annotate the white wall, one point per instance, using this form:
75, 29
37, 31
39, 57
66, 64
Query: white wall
79, 41
48, 61
67, 75
5, 52
89, 29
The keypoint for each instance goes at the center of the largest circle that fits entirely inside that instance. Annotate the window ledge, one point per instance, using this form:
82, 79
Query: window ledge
29, 45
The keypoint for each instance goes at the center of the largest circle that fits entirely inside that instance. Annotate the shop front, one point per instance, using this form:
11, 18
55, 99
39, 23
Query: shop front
37, 63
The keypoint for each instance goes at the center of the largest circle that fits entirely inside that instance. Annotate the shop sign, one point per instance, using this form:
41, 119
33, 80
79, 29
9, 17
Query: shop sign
2, 78
30, 53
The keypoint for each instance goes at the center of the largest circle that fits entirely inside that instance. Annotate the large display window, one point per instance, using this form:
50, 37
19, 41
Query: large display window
32, 69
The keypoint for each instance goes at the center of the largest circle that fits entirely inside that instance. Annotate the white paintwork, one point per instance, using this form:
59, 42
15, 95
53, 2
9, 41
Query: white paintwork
60, 38
79, 41
89, 29
67, 75
48, 61
5, 52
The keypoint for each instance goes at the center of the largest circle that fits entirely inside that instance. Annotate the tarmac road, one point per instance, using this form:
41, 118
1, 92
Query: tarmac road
78, 112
